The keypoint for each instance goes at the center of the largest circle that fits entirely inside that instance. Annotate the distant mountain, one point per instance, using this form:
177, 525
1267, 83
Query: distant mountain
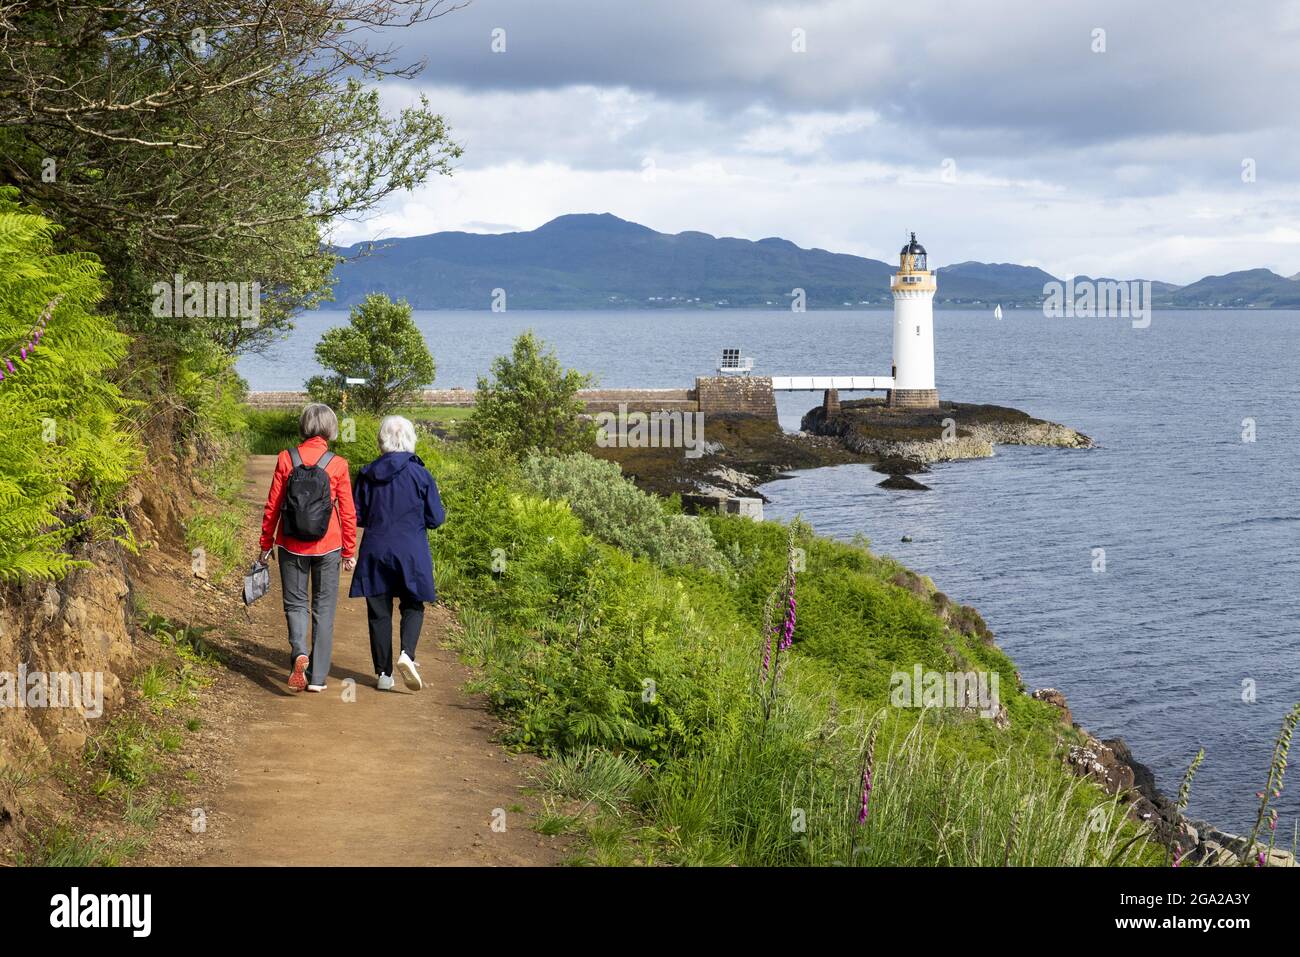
1261, 288
598, 261
974, 283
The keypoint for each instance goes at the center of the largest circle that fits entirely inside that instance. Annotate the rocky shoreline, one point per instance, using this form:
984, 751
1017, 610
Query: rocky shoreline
919, 437
741, 452
1111, 765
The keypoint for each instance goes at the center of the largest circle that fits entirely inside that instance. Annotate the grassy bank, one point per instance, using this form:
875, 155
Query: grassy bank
626, 644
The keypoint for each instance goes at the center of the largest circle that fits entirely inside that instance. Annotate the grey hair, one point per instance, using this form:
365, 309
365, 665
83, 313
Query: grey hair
396, 434
318, 420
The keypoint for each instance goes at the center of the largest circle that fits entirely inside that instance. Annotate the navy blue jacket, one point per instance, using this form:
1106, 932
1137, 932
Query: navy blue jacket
397, 501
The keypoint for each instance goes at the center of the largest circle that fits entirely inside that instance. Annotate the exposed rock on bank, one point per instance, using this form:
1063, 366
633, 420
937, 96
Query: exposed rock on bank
953, 431
82, 626
1111, 764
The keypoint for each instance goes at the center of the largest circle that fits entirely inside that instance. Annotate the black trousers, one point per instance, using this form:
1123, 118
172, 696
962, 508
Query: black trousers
379, 615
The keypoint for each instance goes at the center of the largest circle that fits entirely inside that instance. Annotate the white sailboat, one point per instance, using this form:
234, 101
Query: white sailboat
997, 311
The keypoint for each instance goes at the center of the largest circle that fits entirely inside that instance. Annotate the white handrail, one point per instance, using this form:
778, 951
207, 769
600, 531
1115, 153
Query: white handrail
845, 383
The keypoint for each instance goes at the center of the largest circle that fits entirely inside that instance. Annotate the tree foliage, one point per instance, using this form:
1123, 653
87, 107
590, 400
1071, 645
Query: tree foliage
380, 344
531, 403
210, 139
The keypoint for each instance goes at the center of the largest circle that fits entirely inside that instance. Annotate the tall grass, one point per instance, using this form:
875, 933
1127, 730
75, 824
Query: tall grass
788, 791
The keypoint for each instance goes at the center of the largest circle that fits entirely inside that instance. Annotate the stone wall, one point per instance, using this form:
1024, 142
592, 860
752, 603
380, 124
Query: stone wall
737, 394
640, 400
296, 400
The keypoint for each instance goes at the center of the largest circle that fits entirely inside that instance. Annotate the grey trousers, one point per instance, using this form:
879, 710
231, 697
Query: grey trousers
323, 572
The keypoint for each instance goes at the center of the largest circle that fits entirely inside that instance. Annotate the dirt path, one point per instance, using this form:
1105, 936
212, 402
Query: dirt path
389, 778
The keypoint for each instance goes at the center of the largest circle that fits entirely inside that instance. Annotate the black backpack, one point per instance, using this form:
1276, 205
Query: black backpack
305, 514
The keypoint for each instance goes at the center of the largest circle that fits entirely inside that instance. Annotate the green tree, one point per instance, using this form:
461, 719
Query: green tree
533, 403
380, 344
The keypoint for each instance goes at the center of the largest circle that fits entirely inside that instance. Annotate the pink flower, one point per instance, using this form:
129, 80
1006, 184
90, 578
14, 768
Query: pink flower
866, 792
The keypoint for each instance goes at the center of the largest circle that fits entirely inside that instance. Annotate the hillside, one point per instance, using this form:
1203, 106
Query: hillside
598, 261
601, 261
1261, 288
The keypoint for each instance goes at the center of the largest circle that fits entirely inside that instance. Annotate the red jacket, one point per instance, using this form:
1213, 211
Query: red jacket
341, 534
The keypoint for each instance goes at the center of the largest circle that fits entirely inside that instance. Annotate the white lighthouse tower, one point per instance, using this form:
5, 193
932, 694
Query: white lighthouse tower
913, 287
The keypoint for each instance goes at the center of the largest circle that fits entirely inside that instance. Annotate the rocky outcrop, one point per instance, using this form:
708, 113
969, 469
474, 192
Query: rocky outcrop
959, 617
951, 432
903, 483
1204, 843
1057, 700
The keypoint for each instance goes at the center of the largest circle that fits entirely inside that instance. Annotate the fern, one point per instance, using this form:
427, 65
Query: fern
64, 452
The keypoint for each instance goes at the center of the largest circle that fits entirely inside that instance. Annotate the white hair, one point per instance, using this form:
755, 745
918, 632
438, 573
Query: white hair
318, 420
396, 434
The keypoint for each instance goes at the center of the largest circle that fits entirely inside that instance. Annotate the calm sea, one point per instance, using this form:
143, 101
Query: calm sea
1189, 638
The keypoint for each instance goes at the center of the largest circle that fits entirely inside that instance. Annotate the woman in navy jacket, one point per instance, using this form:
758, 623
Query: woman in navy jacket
396, 502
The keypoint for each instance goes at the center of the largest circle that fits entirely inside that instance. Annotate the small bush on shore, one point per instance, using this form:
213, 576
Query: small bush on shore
619, 513
380, 345
530, 403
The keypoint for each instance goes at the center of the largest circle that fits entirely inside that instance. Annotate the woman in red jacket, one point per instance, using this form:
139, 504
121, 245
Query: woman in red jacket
311, 559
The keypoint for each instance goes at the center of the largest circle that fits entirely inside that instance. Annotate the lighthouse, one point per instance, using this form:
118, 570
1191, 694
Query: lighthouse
913, 287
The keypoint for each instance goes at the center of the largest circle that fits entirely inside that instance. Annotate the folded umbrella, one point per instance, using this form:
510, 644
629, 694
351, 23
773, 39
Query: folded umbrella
257, 582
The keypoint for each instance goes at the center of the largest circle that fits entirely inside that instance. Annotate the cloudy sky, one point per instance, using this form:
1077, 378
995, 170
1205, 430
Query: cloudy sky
1000, 132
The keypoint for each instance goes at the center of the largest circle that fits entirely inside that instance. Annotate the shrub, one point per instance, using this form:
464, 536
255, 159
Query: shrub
532, 405
382, 345
620, 514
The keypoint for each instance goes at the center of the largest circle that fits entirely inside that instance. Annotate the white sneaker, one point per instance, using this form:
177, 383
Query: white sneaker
384, 683
316, 688
410, 674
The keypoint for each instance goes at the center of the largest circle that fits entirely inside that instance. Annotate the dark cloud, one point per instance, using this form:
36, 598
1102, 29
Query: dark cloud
1171, 67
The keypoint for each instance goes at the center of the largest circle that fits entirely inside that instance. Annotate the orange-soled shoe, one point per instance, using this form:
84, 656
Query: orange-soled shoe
298, 679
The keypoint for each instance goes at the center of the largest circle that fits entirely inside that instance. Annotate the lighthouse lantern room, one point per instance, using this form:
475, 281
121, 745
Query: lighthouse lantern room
913, 287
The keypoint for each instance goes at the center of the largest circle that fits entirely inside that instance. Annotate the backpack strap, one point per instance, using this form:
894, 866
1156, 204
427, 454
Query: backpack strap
321, 462
295, 458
